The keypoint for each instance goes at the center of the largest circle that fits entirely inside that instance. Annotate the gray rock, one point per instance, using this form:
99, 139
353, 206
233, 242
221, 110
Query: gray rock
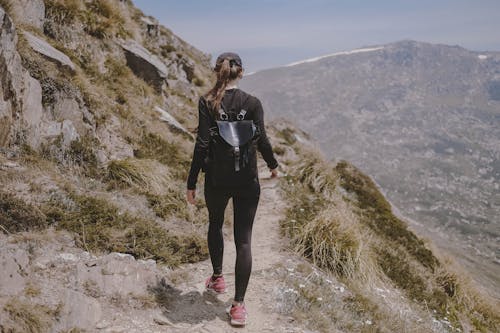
11, 84
168, 118
145, 64
44, 48
29, 12
32, 106
69, 132
116, 148
79, 311
13, 265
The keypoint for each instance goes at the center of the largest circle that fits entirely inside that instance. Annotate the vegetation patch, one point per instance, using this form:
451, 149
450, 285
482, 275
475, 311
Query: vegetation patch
330, 243
146, 175
100, 18
100, 227
17, 216
28, 317
155, 147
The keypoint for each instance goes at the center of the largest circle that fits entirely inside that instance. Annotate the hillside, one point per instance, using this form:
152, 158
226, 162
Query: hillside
98, 109
422, 119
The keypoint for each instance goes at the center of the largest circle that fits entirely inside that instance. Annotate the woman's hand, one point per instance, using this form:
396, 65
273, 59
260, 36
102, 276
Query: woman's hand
190, 196
274, 172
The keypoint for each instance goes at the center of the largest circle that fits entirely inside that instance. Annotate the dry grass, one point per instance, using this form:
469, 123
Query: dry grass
17, 216
339, 220
28, 317
145, 175
101, 228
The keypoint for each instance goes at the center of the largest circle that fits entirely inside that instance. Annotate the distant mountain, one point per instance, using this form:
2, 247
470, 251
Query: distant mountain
422, 119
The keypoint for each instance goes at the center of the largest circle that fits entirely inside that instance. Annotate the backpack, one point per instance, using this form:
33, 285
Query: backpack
232, 157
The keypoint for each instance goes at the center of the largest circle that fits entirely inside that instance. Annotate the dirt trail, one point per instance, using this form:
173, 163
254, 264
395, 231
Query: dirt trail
194, 310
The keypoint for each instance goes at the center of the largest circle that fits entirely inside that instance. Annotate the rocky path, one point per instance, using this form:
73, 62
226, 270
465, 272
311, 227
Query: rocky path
195, 310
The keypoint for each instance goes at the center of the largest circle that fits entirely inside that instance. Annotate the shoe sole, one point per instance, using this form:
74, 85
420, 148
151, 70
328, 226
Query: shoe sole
238, 323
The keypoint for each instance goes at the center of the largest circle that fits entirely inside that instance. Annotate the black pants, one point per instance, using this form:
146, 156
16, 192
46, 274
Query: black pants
245, 201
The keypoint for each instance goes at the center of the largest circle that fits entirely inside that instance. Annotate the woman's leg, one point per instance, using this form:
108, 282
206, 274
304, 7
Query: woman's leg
216, 203
245, 206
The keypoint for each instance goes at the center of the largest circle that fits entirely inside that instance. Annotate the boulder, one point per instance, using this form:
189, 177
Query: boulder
41, 46
169, 119
29, 12
145, 64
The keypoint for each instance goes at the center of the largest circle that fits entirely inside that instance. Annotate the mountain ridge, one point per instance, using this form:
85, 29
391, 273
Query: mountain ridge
407, 109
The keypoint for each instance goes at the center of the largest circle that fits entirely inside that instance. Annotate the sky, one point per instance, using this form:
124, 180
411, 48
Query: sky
271, 33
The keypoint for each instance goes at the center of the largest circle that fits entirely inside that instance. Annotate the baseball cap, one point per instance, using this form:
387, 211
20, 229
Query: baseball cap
230, 56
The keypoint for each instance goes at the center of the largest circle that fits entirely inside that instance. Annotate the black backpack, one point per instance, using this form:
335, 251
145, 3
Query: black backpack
232, 158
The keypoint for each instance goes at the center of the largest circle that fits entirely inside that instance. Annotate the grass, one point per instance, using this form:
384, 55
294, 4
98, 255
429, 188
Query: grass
146, 175
28, 317
339, 220
101, 228
173, 204
153, 146
101, 19
17, 216
331, 243
377, 214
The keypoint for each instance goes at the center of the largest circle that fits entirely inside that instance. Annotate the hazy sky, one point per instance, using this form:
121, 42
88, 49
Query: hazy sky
268, 33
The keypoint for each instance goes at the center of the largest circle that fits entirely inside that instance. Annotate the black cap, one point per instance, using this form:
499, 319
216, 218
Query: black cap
230, 56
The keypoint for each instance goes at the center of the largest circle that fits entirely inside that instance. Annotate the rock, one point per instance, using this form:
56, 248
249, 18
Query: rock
13, 265
162, 320
80, 311
116, 273
11, 84
29, 12
168, 118
44, 48
116, 148
32, 106
145, 64
69, 133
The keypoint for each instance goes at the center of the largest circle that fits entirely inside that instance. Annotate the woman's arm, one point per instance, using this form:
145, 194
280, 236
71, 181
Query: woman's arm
201, 145
263, 144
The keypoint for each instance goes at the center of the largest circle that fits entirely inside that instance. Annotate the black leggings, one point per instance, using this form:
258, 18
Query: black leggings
245, 201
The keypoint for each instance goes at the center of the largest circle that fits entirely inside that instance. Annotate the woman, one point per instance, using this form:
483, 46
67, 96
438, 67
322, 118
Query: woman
244, 191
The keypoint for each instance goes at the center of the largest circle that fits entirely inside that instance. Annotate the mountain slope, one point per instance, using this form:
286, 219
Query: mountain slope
422, 119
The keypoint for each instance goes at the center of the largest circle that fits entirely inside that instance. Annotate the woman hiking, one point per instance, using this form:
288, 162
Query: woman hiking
230, 129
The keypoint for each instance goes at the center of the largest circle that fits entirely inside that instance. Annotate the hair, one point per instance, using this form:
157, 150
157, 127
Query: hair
226, 71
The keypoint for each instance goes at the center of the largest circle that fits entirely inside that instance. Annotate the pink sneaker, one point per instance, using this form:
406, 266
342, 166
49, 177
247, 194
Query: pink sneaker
218, 285
238, 314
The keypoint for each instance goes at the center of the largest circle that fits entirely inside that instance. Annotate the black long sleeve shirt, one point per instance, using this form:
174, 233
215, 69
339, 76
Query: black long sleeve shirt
205, 121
